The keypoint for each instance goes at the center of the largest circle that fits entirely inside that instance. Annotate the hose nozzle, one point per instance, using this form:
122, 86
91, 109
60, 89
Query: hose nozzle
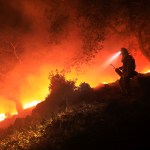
113, 66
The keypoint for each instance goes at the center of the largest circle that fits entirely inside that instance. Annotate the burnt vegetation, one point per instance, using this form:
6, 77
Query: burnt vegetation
82, 117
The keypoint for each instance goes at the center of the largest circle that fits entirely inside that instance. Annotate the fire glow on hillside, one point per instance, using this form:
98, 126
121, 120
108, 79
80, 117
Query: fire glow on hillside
39, 36
37, 86
31, 104
2, 117
148, 71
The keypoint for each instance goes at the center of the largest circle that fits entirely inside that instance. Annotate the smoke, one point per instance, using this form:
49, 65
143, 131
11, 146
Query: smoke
37, 36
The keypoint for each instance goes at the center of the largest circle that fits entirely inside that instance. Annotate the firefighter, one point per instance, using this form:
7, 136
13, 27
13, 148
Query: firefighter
128, 71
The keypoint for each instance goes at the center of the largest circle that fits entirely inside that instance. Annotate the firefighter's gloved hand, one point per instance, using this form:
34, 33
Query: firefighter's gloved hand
116, 69
120, 68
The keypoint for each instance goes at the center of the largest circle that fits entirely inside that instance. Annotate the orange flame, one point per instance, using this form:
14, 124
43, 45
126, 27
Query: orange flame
148, 71
2, 117
31, 104
105, 82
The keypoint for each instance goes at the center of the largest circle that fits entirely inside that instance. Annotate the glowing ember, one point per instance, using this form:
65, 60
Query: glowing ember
105, 83
32, 104
2, 117
12, 114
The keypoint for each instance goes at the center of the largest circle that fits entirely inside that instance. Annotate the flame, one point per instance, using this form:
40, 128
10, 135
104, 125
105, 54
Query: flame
12, 114
31, 104
34, 87
105, 82
148, 71
2, 117
28, 80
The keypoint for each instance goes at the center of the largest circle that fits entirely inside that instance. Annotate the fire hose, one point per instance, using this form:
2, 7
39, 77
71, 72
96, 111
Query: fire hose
120, 73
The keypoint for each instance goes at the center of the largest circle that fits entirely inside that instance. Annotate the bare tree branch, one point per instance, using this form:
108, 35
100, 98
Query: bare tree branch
15, 52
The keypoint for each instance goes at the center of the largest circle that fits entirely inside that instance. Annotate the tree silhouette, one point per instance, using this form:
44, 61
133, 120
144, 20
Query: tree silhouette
10, 52
61, 89
97, 19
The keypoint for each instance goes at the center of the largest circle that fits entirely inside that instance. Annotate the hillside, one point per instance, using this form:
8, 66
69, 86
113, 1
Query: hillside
85, 118
13, 118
